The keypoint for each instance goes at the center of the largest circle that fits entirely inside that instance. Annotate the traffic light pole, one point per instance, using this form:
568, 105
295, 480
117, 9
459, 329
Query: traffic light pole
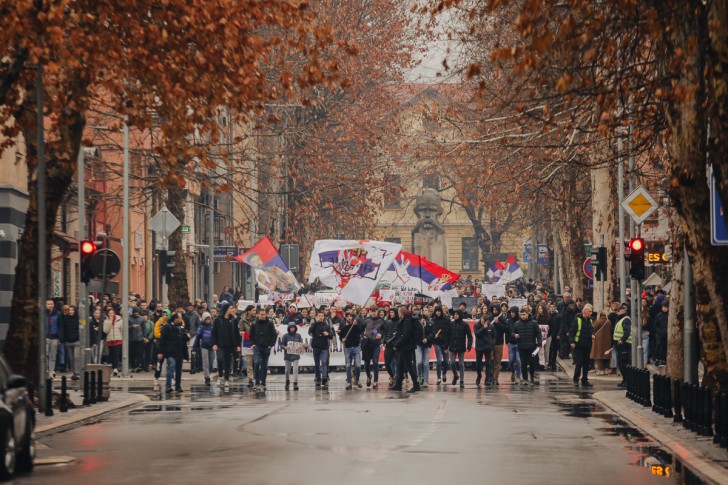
82, 289
125, 260
42, 245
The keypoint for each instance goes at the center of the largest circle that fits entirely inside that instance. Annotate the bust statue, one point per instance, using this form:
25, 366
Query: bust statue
428, 235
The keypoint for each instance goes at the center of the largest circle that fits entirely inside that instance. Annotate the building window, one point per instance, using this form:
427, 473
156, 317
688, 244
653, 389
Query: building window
470, 254
396, 240
392, 195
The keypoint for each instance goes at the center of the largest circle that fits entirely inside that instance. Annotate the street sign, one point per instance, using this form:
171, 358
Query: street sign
639, 204
289, 254
588, 269
542, 254
718, 229
587, 249
224, 253
185, 229
105, 263
164, 223
527, 253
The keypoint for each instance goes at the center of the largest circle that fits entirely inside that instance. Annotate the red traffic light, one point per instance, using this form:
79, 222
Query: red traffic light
637, 244
88, 247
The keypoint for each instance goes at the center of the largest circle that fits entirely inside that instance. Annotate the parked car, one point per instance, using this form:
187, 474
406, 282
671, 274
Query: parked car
17, 424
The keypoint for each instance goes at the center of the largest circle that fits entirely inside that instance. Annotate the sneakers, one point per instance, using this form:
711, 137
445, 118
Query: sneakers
317, 384
251, 383
325, 384
348, 386
439, 381
288, 385
462, 384
454, 380
227, 384
513, 376
369, 381
295, 386
168, 390
115, 373
358, 384
375, 385
477, 381
425, 385
75, 377
587, 384
576, 383
207, 381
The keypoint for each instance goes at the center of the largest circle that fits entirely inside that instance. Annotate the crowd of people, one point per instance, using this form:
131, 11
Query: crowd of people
231, 342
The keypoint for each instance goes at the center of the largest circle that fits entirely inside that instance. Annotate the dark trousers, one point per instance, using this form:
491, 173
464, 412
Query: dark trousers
581, 363
565, 347
260, 364
624, 358
405, 364
528, 363
390, 361
136, 354
661, 347
224, 362
148, 358
554, 352
115, 356
488, 355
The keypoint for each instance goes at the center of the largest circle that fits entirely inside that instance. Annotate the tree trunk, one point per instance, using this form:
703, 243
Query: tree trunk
178, 292
21, 345
603, 227
676, 319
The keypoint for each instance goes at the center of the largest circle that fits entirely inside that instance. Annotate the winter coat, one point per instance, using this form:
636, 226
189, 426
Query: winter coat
585, 335
661, 324
291, 337
441, 330
54, 325
204, 336
114, 330
225, 333
149, 330
352, 333
390, 331
511, 326
501, 328
405, 340
425, 331
373, 328
602, 340
529, 334
263, 333
173, 342
554, 326
484, 337
136, 329
318, 339
71, 332
96, 329
459, 334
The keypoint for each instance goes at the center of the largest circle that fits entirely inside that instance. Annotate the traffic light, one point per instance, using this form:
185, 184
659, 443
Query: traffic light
599, 261
166, 263
637, 258
87, 249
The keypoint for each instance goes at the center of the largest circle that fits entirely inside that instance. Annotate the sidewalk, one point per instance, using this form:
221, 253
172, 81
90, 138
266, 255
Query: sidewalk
568, 368
117, 400
707, 460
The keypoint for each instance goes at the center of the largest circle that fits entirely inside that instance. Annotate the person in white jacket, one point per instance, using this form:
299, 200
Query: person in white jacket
114, 329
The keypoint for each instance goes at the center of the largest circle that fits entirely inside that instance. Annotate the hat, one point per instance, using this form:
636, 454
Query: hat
665, 304
224, 306
167, 313
205, 316
292, 325
624, 307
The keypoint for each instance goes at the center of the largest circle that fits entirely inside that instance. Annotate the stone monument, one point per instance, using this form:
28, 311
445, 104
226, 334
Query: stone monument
428, 235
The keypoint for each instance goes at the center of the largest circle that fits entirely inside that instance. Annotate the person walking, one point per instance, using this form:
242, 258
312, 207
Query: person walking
321, 335
661, 334
114, 329
136, 340
263, 336
441, 342
461, 341
601, 347
581, 335
425, 337
225, 338
485, 336
203, 342
500, 326
528, 335
622, 341
554, 334
514, 358
404, 345
391, 325
371, 345
96, 326
350, 334
71, 337
54, 335
172, 348
292, 344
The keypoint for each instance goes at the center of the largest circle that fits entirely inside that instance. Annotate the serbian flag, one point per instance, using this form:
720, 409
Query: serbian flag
351, 268
495, 273
512, 270
271, 272
414, 272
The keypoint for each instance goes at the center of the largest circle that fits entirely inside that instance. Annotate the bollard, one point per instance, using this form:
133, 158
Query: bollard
687, 405
667, 397
656, 394
724, 422
99, 386
86, 401
707, 411
678, 418
49, 397
92, 388
646, 384
63, 403
628, 379
718, 417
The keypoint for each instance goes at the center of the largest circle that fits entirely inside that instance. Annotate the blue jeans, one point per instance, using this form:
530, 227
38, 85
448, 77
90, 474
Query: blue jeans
422, 357
514, 359
373, 363
174, 366
645, 347
321, 363
443, 359
352, 355
260, 364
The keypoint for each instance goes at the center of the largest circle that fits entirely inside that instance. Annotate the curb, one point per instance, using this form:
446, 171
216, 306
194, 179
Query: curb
90, 413
568, 371
701, 465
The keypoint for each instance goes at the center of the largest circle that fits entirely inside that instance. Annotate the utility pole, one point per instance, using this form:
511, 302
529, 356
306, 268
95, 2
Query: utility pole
125, 258
42, 263
211, 249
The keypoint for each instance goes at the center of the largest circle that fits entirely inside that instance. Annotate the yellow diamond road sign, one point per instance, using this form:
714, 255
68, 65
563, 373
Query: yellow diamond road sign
639, 204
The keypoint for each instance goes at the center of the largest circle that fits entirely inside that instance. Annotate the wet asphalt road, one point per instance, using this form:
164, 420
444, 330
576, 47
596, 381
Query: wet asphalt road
548, 434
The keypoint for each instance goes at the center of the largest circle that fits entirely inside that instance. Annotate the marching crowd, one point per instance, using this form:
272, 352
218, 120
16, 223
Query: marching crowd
231, 342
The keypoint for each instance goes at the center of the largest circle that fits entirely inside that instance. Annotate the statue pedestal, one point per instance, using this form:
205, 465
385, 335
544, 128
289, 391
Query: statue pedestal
431, 245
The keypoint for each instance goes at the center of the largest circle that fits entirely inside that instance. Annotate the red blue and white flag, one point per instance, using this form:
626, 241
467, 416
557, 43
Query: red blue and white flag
271, 272
412, 272
505, 272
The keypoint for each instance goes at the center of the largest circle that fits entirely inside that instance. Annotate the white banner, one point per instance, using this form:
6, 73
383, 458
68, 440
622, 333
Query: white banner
517, 302
321, 298
489, 291
351, 268
405, 297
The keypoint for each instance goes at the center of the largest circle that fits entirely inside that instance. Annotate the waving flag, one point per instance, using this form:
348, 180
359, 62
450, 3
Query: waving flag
351, 268
413, 272
270, 270
496, 271
512, 270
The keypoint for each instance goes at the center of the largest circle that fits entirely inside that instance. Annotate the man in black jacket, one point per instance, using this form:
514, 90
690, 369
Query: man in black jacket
485, 336
425, 336
263, 334
500, 326
461, 341
350, 334
528, 335
441, 342
622, 341
321, 335
581, 335
555, 335
405, 346
172, 346
225, 341
391, 325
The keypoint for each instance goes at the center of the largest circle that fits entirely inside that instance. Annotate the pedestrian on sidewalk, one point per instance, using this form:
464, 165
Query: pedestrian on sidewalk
622, 341
246, 351
602, 344
292, 344
391, 325
71, 336
96, 325
661, 334
581, 335
461, 341
173, 347
321, 335
136, 340
203, 342
554, 334
54, 334
114, 329
501, 327
528, 335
